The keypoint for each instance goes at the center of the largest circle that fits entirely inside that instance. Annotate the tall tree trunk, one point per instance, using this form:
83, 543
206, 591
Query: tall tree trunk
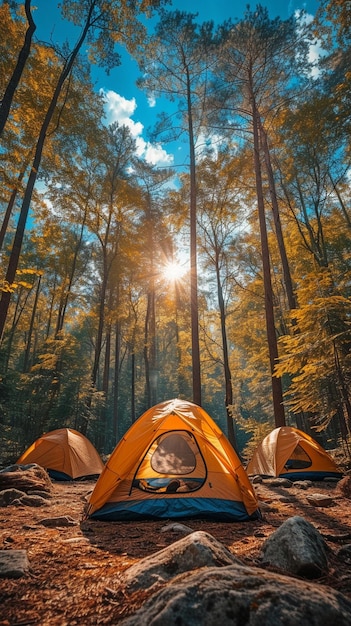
146, 354
67, 290
341, 202
17, 243
150, 349
276, 216
17, 72
277, 392
180, 376
194, 309
150, 361
26, 361
9, 208
106, 373
153, 361
227, 372
51, 309
115, 419
105, 389
99, 336
132, 374
11, 334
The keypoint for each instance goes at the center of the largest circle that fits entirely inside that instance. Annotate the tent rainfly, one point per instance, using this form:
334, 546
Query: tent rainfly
174, 462
66, 455
290, 453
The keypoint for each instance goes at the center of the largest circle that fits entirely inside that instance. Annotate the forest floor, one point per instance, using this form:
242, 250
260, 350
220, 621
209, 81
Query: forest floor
75, 571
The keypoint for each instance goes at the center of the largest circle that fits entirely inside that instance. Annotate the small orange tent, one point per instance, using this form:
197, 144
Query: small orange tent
290, 453
173, 462
65, 453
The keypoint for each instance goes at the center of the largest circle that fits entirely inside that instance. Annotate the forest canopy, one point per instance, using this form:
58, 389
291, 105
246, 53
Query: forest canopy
253, 321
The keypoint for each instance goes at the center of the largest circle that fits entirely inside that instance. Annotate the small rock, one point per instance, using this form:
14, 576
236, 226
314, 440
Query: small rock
319, 499
27, 500
303, 484
279, 482
13, 563
177, 528
52, 522
266, 507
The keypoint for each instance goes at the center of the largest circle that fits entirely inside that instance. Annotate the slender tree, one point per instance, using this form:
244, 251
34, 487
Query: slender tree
106, 26
258, 56
19, 67
175, 63
220, 201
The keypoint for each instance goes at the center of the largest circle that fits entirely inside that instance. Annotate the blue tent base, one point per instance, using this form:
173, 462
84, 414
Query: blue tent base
62, 477
305, 475
59, 476
176, 508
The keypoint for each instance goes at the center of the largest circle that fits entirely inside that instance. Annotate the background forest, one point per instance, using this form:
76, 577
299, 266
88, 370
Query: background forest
94, 326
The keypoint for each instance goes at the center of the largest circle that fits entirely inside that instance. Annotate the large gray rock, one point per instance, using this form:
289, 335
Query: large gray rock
237, 595
296, 548
199, 549
27, 478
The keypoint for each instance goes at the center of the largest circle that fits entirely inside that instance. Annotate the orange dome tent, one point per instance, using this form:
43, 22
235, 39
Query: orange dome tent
173, 462
290, 453
65, 453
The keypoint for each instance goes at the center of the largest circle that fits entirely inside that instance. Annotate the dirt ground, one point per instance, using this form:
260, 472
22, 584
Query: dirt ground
75, 571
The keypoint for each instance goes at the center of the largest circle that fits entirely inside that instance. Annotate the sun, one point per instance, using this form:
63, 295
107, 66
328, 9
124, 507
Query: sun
173, 271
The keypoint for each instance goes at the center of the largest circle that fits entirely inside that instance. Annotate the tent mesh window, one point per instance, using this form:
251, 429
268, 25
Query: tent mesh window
299, 459
173, 457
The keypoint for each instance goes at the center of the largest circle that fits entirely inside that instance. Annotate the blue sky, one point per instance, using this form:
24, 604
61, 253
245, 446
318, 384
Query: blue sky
125, 103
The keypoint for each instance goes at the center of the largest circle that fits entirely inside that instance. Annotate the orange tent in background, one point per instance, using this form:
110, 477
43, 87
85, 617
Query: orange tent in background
173, 462
65, 453
290, 453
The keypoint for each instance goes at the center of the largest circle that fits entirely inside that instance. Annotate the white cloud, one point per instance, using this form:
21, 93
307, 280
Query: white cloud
315, 50
151, 100
119, 109
155, 154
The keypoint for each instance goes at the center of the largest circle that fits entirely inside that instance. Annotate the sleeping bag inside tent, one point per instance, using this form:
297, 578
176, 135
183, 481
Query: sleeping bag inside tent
174, 462
290, 453
65, 453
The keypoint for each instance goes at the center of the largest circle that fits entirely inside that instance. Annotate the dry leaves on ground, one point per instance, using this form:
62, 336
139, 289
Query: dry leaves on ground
75, 571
